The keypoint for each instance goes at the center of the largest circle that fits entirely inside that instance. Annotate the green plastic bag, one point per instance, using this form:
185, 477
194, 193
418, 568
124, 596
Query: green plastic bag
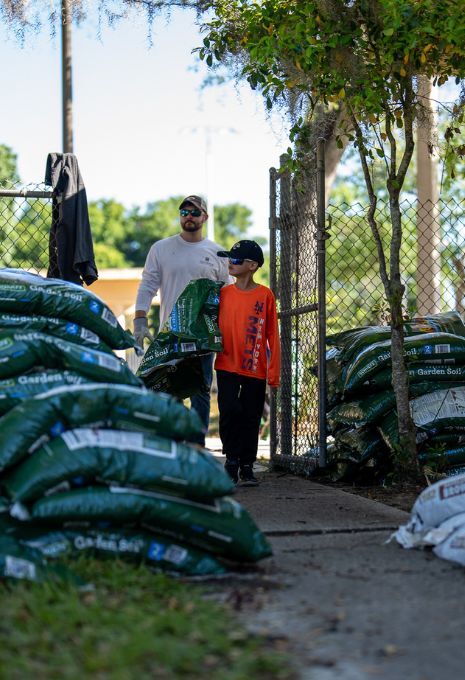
431, 347
121, 407
223, 527
89, 456
22, 351
22, 292
18, 388
132, 545
61, 328
192, 327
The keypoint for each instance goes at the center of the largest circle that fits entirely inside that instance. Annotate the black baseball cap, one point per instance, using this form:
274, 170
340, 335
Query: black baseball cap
244, 250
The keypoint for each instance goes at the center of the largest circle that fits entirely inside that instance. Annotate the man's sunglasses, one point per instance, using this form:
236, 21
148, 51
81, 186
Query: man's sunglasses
195, 213
239, 260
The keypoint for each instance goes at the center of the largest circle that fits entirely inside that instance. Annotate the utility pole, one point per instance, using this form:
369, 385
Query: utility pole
66, 76
428, 219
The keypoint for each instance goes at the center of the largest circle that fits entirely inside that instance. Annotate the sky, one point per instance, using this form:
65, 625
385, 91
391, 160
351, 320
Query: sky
144, 130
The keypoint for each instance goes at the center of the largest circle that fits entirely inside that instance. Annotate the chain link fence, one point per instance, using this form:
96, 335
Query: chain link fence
432, 262
25, 222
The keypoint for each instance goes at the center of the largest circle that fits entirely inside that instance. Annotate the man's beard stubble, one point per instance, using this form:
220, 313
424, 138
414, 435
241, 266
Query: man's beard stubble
191, 226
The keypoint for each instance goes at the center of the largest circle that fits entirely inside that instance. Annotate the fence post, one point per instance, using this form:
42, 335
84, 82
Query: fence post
285, 288
272, 227
321, 265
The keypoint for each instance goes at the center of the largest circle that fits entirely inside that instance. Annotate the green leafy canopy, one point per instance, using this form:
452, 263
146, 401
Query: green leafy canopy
357, 51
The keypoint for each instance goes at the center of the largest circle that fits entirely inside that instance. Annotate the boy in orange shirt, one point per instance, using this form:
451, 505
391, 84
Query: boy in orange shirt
251, 357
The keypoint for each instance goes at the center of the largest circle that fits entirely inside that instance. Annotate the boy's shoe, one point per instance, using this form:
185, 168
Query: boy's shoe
247, 476
232, 468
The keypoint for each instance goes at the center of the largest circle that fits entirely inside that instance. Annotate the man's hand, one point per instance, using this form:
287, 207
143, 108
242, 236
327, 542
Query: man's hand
141, 330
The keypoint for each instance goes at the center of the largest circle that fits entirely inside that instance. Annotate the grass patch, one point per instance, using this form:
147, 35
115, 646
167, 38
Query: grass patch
134, 624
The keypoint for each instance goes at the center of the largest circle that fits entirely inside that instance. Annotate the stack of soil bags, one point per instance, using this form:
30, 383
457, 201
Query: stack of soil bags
172, 362
92, 461
107, 469
54, 333
361, 414
437, 520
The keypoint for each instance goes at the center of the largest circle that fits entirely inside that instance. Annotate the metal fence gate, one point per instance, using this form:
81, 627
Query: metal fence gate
297, 237
25, 223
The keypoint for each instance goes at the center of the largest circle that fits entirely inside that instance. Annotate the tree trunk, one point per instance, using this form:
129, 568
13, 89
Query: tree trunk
407, 440
407, 453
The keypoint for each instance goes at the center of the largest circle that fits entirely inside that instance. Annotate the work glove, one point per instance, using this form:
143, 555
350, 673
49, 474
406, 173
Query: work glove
141, 330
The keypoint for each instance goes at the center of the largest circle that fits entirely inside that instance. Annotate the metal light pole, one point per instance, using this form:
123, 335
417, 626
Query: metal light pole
209, 131
66, 74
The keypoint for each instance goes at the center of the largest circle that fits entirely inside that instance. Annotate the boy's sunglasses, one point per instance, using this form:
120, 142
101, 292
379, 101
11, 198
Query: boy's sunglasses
195, 213
239, 260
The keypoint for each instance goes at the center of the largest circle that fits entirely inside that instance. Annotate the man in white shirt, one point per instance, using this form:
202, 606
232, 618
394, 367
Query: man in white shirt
171, 263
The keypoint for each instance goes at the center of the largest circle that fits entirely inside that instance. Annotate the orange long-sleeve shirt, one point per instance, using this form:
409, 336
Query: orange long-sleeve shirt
249, 327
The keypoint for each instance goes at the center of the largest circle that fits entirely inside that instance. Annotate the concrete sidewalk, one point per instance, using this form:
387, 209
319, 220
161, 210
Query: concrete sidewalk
348, 605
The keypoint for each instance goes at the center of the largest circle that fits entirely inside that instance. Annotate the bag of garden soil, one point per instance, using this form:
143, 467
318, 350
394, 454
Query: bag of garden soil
343, 466
87, 456
442, 459
18, 388
441, 348
355, 340
453, 375
452, 548
361, 442
181, 378
333, 375
23, 351
60, 328
121, 407
444, 441
133, 545
436, 504
21, 562
223, 527
361, 411
442, 411
23, 292
191, 328
372, 408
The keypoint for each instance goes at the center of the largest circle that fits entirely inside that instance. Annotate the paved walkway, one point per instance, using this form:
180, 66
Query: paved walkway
348, 605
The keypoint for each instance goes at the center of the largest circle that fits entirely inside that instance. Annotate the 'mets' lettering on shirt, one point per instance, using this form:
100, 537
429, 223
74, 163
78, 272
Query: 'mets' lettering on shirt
253, 339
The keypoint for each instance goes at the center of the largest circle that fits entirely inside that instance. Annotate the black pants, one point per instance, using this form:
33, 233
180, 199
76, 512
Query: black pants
240, 402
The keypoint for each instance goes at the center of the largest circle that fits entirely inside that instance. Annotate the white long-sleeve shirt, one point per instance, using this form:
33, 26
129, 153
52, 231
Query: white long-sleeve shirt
171, 263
